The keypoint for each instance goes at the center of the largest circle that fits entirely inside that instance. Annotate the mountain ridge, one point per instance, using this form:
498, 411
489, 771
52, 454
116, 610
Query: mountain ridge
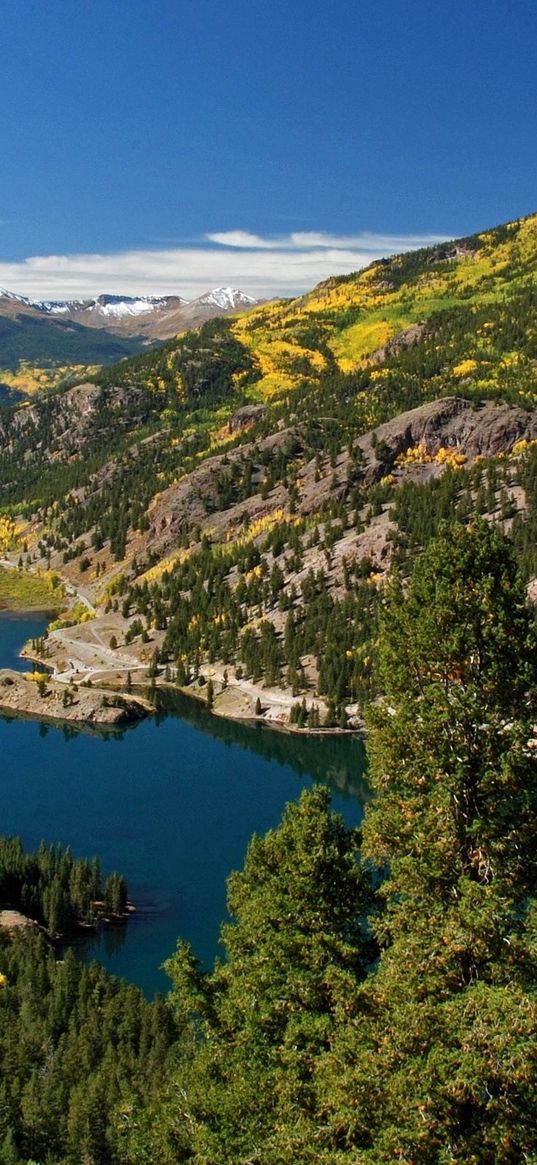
152, 316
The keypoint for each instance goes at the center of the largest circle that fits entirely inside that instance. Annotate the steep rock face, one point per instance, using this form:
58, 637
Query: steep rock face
192, 506
245, 416
182, 506
478, 430
411, 335
75, 405
74, 415
448, 423
192, 502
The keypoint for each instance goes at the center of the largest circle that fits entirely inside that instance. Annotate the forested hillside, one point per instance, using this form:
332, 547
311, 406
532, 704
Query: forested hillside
78, 1049
360, 536
237, 495
323, 1039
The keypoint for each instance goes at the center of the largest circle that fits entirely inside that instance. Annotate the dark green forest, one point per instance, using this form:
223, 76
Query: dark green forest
56, 890
79, 1050
48, 341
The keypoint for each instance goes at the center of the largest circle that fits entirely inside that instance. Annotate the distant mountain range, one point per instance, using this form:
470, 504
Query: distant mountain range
140, 319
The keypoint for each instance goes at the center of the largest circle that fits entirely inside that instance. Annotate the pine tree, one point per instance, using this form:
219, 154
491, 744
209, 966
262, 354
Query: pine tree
115, 894
439, 1055
265, 1015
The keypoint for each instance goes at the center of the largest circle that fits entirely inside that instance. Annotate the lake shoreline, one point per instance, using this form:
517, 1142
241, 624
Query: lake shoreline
171, 802
78, 654
43, 698
95, 651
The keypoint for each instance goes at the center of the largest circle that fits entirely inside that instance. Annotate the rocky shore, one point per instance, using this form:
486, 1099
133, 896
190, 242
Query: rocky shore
45, 698
96, 653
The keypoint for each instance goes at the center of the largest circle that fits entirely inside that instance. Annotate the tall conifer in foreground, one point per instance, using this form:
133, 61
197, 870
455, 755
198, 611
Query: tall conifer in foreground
441, 1054
265, 1017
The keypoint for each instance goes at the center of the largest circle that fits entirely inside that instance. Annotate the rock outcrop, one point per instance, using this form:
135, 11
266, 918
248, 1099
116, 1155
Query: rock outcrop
478, 430
246, 416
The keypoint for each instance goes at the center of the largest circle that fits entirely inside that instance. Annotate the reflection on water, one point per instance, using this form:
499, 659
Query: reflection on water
67, 730
93, 943
336, 760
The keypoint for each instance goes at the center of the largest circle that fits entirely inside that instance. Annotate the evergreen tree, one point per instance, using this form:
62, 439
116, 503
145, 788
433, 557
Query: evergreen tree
115, 894
266, 1015
440, 1051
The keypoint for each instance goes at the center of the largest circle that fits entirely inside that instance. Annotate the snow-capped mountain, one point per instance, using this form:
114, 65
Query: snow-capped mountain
108, 306
149, 316
227, 298
220, 301
105, 310
5, 294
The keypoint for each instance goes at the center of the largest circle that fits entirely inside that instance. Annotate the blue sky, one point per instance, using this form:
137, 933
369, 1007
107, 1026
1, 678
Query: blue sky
181, 145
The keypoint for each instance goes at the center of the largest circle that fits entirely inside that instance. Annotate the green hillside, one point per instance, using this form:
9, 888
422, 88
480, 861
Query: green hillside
36, 354
42, 341
344, 322
241, 491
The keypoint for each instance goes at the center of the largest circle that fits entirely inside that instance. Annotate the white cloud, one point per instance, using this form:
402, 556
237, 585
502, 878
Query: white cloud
245, 239
288, 265
320, 240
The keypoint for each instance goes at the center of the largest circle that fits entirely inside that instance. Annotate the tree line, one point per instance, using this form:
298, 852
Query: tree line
55, 889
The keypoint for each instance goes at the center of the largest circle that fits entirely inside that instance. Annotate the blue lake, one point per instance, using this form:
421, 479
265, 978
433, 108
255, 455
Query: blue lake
171, 803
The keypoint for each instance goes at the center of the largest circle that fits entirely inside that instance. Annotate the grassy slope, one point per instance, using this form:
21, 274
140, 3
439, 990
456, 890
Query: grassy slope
20, 591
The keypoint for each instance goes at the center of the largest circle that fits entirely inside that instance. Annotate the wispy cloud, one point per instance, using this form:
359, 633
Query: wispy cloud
321, 240
245, 240
262, 266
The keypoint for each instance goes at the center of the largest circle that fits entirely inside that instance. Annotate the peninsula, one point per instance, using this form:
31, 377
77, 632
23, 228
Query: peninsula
39, 695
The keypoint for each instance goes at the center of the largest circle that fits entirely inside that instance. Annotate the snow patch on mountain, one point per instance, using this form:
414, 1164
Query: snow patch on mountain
54, 308
117, 308
109, 306
5, 294
225, 298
